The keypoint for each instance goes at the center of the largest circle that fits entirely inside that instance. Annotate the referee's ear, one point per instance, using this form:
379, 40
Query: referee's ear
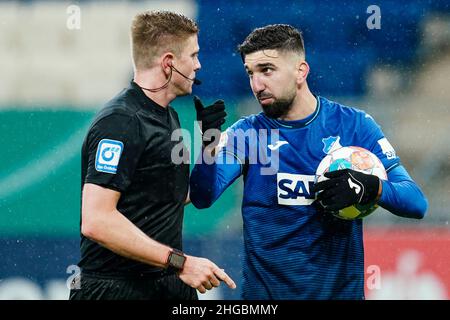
167, 62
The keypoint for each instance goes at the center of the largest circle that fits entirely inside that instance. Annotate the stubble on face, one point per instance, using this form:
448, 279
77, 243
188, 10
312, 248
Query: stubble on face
277, 99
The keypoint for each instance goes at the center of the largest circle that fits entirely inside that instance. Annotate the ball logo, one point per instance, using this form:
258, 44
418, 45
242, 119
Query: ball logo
108, 155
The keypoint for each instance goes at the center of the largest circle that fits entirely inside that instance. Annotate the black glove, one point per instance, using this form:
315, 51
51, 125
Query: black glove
346, 188
211, 117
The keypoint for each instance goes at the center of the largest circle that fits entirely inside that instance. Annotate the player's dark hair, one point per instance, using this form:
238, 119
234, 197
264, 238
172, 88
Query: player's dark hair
281, 37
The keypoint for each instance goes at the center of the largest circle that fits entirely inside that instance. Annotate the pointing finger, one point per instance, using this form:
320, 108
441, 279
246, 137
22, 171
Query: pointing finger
221, 274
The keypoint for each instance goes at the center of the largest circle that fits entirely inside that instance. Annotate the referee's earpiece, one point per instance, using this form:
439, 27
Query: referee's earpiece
167, 63
168, 67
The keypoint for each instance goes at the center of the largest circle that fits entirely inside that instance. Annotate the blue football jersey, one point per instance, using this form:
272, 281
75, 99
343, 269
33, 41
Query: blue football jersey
292, 250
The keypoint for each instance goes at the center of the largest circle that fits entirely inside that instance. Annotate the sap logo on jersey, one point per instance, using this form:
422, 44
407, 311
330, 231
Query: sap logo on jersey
108, 155
294, 189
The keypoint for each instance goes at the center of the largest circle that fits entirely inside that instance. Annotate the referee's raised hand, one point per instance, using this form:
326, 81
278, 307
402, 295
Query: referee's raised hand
203, 274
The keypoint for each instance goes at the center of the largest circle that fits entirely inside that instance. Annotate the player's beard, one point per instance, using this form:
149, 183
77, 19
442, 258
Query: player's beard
280, 107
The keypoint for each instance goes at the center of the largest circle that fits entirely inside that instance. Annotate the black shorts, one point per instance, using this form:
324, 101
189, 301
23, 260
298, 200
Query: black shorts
164, 286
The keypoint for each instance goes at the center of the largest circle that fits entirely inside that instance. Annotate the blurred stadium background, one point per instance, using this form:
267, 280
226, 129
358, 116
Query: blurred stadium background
54, 77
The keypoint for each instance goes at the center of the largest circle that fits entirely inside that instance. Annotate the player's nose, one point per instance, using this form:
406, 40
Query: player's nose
257, 85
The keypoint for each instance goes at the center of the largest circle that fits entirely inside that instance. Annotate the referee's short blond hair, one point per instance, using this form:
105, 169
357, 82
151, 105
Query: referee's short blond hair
155, 32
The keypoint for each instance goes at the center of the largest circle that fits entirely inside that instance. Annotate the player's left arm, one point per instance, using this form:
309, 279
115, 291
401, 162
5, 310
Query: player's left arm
402, 196
399, 194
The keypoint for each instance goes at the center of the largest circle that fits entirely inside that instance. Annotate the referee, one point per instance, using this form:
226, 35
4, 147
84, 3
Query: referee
133, 194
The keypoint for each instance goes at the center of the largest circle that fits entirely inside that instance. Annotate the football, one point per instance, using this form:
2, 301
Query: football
358, 159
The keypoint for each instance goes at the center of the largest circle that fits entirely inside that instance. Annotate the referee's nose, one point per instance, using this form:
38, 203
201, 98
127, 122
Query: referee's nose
197, 65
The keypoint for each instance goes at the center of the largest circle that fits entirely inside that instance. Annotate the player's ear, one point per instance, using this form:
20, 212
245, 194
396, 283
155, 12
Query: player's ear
302, 71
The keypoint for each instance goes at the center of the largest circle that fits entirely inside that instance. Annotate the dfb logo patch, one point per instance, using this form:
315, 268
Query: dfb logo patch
108, 155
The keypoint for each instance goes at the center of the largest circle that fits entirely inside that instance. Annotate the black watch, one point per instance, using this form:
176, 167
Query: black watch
176, 259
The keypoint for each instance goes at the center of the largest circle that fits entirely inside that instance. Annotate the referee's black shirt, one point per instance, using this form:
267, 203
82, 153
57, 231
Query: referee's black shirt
128, 149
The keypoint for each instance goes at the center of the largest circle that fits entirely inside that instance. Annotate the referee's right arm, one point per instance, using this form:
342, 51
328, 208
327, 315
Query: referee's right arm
104, 224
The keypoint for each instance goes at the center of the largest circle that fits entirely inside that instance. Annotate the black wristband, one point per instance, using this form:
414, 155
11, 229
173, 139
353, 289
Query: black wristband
176, 259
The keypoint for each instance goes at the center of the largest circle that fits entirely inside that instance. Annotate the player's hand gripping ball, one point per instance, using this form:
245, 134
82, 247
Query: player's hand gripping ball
355, 184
